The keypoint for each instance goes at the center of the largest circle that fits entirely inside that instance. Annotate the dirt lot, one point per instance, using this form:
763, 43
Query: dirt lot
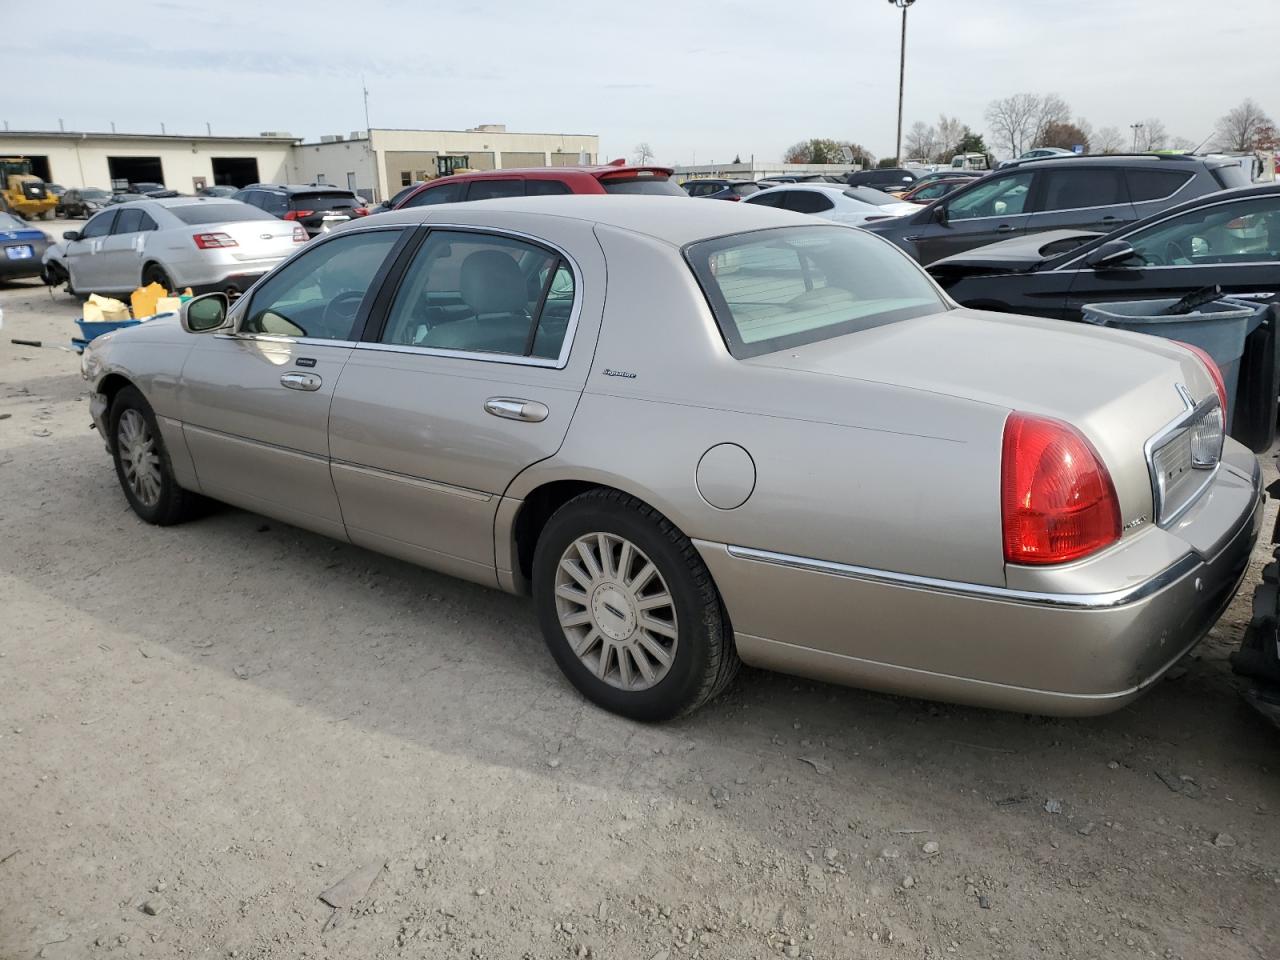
202, 728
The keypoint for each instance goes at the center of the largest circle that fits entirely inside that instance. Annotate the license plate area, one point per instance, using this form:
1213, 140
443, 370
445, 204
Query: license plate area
22, 252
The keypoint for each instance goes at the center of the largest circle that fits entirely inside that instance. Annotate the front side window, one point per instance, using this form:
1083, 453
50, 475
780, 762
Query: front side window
445, 193
1000, 197
1076, 189
480, 293
99, 226
777, 289
1247, 231
318, 295
128, 221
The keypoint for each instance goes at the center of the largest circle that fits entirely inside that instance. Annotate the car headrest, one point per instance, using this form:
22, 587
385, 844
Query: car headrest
492, 283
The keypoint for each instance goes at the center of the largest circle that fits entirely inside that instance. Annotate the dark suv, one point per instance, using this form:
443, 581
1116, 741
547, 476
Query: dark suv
1073, 193
317, 207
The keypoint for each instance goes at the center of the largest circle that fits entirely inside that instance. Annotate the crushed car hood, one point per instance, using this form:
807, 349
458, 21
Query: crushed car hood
1019, 255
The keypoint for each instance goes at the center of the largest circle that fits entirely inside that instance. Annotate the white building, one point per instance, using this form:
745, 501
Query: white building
180, 163
375, 162
761, 170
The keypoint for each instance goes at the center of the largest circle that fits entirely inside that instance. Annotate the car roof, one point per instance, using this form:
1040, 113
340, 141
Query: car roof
298, 187
810, 185
673, 220
167, 203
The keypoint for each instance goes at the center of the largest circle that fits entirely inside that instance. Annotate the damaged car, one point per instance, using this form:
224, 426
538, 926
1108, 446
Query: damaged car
699, 435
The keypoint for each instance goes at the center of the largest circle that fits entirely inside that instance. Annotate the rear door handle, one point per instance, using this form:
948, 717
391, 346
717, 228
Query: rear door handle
513, 408
301, 381
1004, 228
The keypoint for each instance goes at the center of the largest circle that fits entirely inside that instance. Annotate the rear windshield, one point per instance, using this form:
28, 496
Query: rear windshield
871, 195
777, 289
324, 201
195, 214
653, 186
93, 193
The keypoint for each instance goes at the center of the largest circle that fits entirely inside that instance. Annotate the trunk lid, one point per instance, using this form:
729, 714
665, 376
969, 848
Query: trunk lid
1119, 389
257, 239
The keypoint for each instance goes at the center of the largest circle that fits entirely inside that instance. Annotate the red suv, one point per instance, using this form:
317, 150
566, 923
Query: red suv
616, 177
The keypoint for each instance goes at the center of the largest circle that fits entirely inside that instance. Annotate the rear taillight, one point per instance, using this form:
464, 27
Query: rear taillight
1215, 374
297, 214
360, 211
214, 241
1057, 500
299, 233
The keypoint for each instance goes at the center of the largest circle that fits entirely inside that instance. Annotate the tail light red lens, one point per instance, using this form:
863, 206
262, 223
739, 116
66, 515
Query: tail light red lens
1215, 374
1057, 499
360, 211
297, 214
299, 233
214, 241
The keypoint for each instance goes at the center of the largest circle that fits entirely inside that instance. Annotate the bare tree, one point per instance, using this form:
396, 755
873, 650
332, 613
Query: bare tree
798, 153
1240, 129
1014, 121
1107, 140
921, 141
643, 153
1053, 112
1065, 136
950, 132
1152, 135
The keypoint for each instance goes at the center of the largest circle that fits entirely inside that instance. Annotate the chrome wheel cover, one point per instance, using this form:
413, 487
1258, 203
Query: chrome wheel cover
616, 612
139, 458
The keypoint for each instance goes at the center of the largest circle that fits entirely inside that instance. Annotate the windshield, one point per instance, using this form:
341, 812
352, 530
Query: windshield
196, 214
871, 195
653, 186
776, 289
93, 193
11, 223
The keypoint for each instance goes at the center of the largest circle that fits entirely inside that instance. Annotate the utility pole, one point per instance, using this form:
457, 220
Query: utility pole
365, 90
1136, 128
902, 75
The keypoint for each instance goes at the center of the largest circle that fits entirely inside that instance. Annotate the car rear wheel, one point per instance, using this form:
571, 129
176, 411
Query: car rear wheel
154, 273
628, 609
142, 463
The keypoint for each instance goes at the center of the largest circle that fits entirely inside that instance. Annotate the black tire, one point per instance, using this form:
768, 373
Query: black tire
173, 504
154, 273
705, 659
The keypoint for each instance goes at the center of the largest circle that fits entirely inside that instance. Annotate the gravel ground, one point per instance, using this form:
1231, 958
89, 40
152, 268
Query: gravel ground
205, 727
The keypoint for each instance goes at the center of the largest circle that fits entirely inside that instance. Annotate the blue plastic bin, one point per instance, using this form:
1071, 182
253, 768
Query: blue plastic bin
90, 329
1218, 328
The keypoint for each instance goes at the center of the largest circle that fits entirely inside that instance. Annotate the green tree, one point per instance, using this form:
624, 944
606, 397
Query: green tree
971, 142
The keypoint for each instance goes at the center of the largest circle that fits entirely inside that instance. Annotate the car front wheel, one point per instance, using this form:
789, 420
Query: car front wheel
142, 462
629, 610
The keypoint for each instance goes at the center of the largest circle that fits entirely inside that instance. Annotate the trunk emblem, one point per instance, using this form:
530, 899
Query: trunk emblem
265, 236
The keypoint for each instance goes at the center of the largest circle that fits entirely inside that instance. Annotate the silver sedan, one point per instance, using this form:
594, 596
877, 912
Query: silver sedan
206, 243
700, 434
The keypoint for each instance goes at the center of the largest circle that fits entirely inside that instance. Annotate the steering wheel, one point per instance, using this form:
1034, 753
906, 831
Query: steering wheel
1173, 251
340, 312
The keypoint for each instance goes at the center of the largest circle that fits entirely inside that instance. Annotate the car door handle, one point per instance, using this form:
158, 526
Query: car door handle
1004, 228
301, 381
514, 409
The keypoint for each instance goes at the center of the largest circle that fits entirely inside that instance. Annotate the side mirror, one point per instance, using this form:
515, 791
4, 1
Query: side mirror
1113, 253
203, 314
70, 234
940, 213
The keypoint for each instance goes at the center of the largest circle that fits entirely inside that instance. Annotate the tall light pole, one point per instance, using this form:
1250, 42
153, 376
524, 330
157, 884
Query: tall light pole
902, 75
1136, 128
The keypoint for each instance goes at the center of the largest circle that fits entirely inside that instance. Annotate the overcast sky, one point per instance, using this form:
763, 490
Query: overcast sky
704, 78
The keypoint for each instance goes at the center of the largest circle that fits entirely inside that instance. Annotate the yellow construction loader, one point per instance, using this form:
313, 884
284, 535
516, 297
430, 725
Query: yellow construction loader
22, 192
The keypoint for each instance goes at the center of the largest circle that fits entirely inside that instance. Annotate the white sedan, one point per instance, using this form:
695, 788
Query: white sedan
834, 201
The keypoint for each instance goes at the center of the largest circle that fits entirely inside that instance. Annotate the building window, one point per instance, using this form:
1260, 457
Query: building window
406, 177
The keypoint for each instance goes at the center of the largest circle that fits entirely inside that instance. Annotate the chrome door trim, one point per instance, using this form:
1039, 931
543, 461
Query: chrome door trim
281, 338
466, 493
980, 591
1273, 264
236, 438
507, 358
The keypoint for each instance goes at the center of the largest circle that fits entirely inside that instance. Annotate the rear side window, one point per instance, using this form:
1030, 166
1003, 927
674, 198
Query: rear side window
128, 221
545, 188
276, 204
768, 198
493, 189
652, 186
483, 294
200, 213
870, 195
745, 189
808, 201
776, 289
445, 193
1147, 185
324, 201
1074, 189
